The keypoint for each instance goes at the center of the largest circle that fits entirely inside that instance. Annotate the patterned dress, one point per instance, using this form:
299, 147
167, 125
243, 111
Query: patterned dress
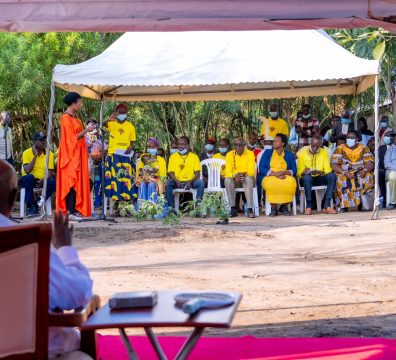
349, 191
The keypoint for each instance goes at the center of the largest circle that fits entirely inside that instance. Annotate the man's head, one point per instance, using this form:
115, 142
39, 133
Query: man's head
39, 140
224, 146
183, 145
122, 112
239, 145
388, 137
3, 118
161, 152
316, 143
346, 114
267, 142
145, 158
384, 123
74, 101
299, 115
280, 141
210, 145
273, 111
306, 110
335, 120
8, 188
252, 140
174, 147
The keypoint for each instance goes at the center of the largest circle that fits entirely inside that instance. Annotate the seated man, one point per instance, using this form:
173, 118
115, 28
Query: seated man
70, 285
33, 172
224, 148
313, 169
240, 172
390, 166
184, 170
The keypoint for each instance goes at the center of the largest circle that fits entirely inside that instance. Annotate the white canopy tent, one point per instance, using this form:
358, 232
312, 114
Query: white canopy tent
198, 66
194, 66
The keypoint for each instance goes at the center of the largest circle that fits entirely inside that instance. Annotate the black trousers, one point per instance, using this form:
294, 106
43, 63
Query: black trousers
71, 201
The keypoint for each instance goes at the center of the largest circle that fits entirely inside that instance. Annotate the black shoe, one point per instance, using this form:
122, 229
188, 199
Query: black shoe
250, 214
391, 207
343, 210
234, 212
274, 212
286, 211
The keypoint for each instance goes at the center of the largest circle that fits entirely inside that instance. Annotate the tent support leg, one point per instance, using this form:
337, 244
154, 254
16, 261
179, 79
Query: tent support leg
377, 202
44, 214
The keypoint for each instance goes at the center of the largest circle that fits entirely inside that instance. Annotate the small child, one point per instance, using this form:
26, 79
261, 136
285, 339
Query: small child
148, 173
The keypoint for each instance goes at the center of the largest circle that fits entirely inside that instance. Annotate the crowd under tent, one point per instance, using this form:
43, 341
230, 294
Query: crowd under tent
199, 66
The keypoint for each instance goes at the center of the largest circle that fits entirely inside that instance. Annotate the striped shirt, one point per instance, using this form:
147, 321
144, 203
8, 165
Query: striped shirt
4, 155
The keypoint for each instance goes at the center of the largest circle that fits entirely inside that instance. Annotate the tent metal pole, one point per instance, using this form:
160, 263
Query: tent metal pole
355, 117
377, 202
102, 100
44, 215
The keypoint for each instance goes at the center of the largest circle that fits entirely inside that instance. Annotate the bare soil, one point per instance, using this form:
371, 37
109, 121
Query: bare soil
300, 276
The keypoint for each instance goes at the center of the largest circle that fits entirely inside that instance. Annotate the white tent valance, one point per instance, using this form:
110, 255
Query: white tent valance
195, 66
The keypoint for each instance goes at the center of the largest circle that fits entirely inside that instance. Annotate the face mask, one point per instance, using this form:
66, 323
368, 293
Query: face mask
152, 151
267, 147
173, 151
306, 116
350, 142
273, 114
209, 147
122, 117
223, 150
183, 152
387, 140
384, 124
345, 121
252, 146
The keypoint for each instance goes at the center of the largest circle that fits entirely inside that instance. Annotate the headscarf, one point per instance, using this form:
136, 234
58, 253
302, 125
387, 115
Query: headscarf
155, 141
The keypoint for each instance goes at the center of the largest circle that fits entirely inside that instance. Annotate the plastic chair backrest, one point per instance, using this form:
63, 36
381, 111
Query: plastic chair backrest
214, 169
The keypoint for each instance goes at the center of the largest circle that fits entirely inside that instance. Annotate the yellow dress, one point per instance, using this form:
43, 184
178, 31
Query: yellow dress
279, 191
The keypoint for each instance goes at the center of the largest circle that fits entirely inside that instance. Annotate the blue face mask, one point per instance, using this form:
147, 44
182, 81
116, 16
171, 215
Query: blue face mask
223, 150
350, 142
273, 114
122, 117
152, 151
173, 151
345, 121
209, 147
183, 152
384, 124
387, 140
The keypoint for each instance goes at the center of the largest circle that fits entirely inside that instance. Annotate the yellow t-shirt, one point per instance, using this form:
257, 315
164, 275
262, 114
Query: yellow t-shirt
245, 163
122, 134
319, 161
184, 166
160, 163
39, 166
274, 127
221, 157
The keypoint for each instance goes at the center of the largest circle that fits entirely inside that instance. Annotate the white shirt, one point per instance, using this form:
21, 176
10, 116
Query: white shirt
70, 287
3, 143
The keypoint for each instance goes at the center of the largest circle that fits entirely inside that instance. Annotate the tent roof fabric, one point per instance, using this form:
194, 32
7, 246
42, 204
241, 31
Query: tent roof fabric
191, 66
181, 15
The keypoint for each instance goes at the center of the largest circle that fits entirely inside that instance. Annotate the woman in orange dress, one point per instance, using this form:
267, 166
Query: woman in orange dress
72, 187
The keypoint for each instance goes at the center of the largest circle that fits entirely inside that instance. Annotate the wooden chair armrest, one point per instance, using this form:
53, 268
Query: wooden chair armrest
76, 317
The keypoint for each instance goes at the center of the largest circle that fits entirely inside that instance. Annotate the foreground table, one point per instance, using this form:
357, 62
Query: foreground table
163, 314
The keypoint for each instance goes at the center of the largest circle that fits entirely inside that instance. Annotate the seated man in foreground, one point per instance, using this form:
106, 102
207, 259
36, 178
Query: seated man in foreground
313, 169
184, 170
33, 172
70, 285
240, 172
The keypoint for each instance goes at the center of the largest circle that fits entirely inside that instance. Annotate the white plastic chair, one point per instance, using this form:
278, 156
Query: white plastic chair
214, 167
177, 192
22, 205
255, 196
320, 192
387, 193
268, 206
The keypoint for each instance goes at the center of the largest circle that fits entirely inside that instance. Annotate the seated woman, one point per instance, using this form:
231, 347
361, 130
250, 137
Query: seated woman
151, 172
353, 163
279, 168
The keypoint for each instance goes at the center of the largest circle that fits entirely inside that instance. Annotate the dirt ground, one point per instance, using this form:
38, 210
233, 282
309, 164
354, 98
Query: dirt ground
300, 276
